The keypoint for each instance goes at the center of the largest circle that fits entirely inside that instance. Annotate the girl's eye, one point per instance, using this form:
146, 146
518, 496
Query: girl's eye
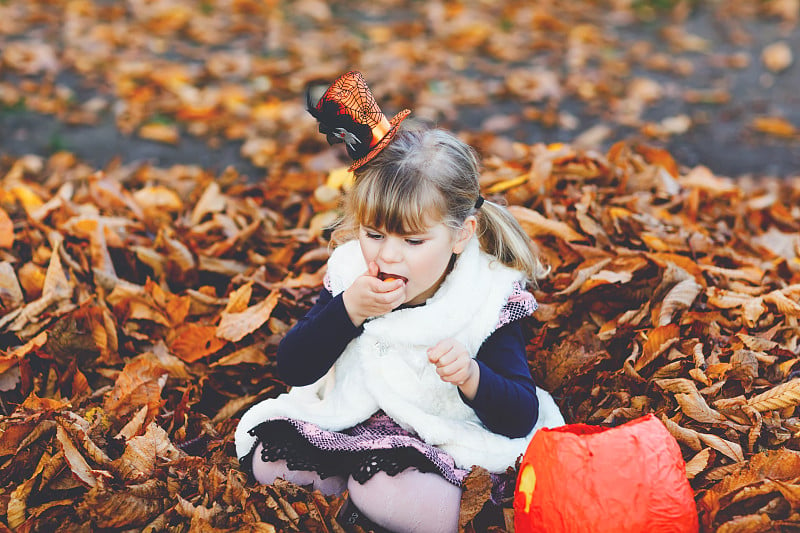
372, 235
415, 242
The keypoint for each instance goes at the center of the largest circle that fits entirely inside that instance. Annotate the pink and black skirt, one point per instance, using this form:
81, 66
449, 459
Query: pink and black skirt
378, 444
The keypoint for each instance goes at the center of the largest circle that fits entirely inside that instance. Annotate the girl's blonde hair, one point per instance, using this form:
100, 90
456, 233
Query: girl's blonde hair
429, 174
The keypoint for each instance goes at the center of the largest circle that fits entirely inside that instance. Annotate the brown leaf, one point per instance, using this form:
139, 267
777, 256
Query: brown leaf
557, 365
726, 447
17, 506
108, 508
779, 464
744, 366
80, 468
139, 384
783, 395
248, 355
138, 461
698, 463
753, 523
695, 406
679, 297
785, 304
536, 225
234, 326
211, 201
477, 489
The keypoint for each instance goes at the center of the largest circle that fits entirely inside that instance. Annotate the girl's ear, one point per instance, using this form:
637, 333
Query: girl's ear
465, 234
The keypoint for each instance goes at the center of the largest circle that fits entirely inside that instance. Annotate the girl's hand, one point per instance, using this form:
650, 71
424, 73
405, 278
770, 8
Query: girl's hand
454, 365
370, 296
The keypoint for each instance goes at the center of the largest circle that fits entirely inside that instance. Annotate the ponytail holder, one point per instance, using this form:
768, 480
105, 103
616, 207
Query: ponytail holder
479, 202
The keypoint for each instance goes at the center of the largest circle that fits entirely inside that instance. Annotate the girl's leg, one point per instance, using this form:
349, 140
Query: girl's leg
411, 501
267, 472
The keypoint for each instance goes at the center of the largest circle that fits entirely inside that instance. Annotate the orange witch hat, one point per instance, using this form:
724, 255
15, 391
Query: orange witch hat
348, 113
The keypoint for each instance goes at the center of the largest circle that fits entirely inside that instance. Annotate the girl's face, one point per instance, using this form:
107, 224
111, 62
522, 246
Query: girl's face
421, 260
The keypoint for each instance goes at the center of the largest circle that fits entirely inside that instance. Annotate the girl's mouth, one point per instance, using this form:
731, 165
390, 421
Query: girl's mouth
385, 276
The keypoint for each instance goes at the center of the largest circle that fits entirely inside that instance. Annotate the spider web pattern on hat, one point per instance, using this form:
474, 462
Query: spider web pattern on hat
356, 111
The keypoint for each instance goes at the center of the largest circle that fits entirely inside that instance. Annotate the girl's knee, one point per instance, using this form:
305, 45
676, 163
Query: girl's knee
411, 501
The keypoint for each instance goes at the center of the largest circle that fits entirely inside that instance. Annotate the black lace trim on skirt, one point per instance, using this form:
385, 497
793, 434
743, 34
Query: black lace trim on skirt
280, 440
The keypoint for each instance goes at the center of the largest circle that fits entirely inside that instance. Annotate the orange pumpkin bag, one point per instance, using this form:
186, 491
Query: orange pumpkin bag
583, 478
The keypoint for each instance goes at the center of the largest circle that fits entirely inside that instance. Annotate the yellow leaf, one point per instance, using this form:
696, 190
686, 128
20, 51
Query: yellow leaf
29, 200
507, 184
158, 197
165, 133
238, 299
340, 178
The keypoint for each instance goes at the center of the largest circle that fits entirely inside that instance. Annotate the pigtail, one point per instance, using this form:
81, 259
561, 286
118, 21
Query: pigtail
502, 237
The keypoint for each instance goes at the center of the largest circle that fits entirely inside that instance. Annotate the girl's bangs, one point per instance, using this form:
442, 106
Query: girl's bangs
395, 205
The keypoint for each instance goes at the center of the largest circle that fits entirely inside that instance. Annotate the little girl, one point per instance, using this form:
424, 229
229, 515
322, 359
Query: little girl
411, 366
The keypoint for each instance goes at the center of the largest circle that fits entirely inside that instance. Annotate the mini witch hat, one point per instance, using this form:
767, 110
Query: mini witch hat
348, 113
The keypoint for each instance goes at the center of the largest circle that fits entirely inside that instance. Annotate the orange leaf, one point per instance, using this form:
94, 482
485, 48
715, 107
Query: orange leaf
140, 383
178, 308
34, 403
6, 230
778, 126
234, 326
659, 156
658, 341
195, 342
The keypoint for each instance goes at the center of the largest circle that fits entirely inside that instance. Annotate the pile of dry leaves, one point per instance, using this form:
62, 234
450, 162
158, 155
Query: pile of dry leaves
141, 308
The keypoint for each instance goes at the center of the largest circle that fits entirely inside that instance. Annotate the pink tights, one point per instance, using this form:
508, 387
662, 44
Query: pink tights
266, 473
411, 501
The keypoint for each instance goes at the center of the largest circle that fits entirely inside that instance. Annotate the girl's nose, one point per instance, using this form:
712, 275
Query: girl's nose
390, 251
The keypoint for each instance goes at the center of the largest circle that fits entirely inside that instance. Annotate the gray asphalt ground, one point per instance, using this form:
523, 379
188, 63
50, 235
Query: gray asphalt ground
722, 136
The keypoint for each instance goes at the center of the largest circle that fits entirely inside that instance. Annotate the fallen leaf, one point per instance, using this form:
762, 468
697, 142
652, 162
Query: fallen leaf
778, 397
156, 131
777, 56
194, 342
658, 341
139, 384
476, 493
778, 126
6, 230
698, 463
536, 225
234, 326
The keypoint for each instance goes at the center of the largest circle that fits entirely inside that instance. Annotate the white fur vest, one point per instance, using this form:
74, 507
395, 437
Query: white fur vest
386, 367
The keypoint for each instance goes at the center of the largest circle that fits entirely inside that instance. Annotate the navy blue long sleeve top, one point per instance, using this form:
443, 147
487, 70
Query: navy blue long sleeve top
505, 401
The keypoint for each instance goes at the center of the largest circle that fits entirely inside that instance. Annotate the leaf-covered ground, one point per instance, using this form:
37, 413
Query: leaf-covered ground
715, 82
140, 305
